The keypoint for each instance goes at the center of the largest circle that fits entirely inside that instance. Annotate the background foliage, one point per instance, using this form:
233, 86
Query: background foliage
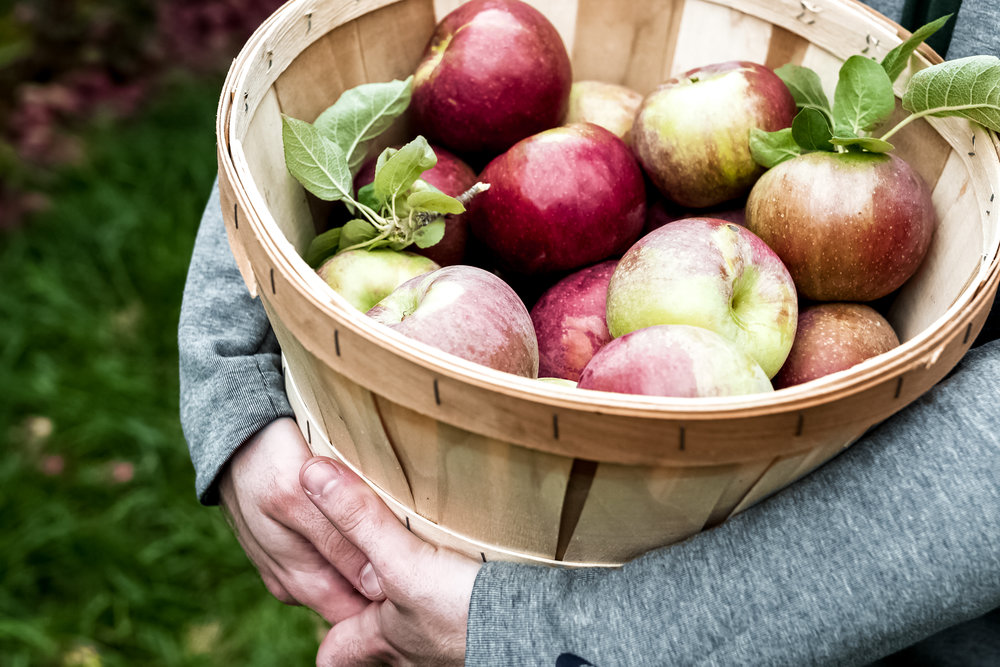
107, 158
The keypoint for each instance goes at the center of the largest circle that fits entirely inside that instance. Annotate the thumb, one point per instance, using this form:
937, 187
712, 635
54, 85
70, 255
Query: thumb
365, 521
358, 640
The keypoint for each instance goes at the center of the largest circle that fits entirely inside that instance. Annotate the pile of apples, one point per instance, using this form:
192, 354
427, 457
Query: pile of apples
656, 256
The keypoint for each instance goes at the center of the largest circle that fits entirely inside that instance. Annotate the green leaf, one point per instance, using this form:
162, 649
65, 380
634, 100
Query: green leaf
384, 156
398, 172
316, 162
429, 234
870, 144
434, 200
322, 246
770, 149
895, 61
355, 232
863, 97
366, 196
966, 87
811, 130
806, 87
361, 114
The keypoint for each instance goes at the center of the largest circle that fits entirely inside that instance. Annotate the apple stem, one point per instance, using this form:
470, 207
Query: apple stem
377, 221
903, 123
467, 196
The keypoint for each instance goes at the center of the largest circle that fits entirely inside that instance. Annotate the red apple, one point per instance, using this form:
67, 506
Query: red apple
849, 226
674, 360
365, 277
708, 273
569, 321
559, 200
692, 133
468, 312
833, 337
609, 105
493, 73
452, 176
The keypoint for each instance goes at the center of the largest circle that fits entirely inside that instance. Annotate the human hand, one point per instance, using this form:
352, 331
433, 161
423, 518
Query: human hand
300, 556
421, 592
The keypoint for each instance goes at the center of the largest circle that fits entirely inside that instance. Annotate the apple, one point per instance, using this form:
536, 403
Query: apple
849, 226
493, 73
364, 277
468, 312
452, 176
692, 133
562, 382
569, 321
674, 360
708, 273
833, 337
609, 105
559, 200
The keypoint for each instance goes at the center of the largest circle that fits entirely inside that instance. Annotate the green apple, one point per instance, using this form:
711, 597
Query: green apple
609, 105
692, 134
709, 273
365, 277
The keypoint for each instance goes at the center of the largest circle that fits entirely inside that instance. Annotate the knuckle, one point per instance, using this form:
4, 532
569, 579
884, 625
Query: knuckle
282, 502
354, 512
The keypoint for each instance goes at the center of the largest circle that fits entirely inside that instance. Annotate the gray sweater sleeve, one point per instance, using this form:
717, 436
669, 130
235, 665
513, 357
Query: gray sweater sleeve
231, 384
895, 539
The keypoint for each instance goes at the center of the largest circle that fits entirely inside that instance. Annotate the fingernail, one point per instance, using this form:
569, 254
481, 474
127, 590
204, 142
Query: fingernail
370, 586
319, 476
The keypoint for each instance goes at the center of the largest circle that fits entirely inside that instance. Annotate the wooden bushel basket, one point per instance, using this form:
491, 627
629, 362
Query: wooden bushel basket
503, 467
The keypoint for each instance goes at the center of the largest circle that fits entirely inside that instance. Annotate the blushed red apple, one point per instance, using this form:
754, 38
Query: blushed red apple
468, 312
692, 133
559, 200
849, 226
708, 273
452, 176
569, 321
833, 337
674, 360
493, 73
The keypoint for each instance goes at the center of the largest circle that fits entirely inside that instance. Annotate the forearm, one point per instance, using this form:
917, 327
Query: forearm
230, 365
892, 541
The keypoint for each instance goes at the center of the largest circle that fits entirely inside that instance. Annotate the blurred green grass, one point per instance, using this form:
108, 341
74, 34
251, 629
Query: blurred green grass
106, 557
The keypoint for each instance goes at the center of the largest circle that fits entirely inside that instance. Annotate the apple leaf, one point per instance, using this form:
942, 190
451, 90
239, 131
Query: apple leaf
362, 113
397, 173
383, 157
429, 234
355, 233
863, 97
770, 149
870, 144
811, 130
317, 163
434, 200
322, 246
966, 87
805, 87
366, 197
895, 61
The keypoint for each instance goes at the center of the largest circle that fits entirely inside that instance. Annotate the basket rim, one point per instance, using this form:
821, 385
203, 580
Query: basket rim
922, 349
